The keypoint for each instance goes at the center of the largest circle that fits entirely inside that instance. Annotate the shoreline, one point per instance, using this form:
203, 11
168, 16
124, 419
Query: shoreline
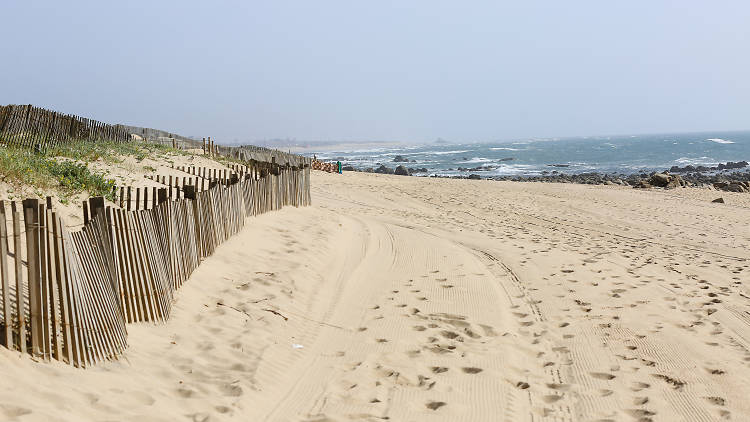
719, 177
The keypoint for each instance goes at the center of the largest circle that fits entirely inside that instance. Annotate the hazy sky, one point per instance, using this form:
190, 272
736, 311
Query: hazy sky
382, 70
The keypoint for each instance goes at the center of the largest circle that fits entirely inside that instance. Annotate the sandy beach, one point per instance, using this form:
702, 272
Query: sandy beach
409, 299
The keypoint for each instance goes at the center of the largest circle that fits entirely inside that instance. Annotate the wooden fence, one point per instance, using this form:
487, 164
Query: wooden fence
34, 127
68, 295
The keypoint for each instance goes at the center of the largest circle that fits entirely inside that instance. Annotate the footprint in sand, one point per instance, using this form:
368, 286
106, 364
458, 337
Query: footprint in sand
602, 376
435, 405
638, 386
450, 335
472, 370
640, 414
718, 401
231, 390
223, 409
640, 401
676, 384
185, 393
551, 398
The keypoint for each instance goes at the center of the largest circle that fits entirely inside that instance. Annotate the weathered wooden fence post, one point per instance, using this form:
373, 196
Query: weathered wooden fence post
7, 312
31, 222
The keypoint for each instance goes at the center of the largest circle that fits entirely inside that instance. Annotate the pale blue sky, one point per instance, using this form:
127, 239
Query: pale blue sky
384, 70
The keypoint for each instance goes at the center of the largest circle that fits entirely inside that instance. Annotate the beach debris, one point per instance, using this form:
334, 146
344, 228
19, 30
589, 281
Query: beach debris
297, 346
718, 200
234, 308
276, 313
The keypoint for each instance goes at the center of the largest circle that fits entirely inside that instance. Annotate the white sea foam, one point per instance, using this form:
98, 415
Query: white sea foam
477, 160
700, 161
507, 170
720, 141
445, 152
505, 149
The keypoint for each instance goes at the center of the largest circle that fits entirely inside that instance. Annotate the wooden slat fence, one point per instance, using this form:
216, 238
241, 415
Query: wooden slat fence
68, 295
39, 128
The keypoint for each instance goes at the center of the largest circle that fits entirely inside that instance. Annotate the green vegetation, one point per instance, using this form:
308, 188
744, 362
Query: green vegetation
64, 168
226, 160
19, 166
110, 152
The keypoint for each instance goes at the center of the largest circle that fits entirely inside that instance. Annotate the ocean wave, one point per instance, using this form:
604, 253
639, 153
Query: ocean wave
505, 149
700, 161
445, 152
516, 169
720, 141
475, 160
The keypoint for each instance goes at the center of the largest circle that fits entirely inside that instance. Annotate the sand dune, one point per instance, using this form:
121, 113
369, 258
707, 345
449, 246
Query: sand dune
406, 299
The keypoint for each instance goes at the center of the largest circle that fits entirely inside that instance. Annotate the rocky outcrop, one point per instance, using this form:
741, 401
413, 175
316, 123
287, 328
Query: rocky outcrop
733, 186
730, 181
401, 171
400, 159
666, 180
478, 168
383, 170
728, 166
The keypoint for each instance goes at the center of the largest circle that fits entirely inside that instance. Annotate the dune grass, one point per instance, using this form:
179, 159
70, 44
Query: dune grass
64, 168
21, 167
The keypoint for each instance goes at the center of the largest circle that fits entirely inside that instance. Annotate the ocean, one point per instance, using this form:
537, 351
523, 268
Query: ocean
531, 157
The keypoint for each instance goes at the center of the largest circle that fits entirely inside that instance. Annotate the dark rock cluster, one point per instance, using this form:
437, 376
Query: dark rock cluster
401, 159
400, 170
725, 177
690, 169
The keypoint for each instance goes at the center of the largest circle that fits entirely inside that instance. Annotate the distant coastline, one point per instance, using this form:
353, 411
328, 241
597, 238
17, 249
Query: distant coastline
314, 147
630, 154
